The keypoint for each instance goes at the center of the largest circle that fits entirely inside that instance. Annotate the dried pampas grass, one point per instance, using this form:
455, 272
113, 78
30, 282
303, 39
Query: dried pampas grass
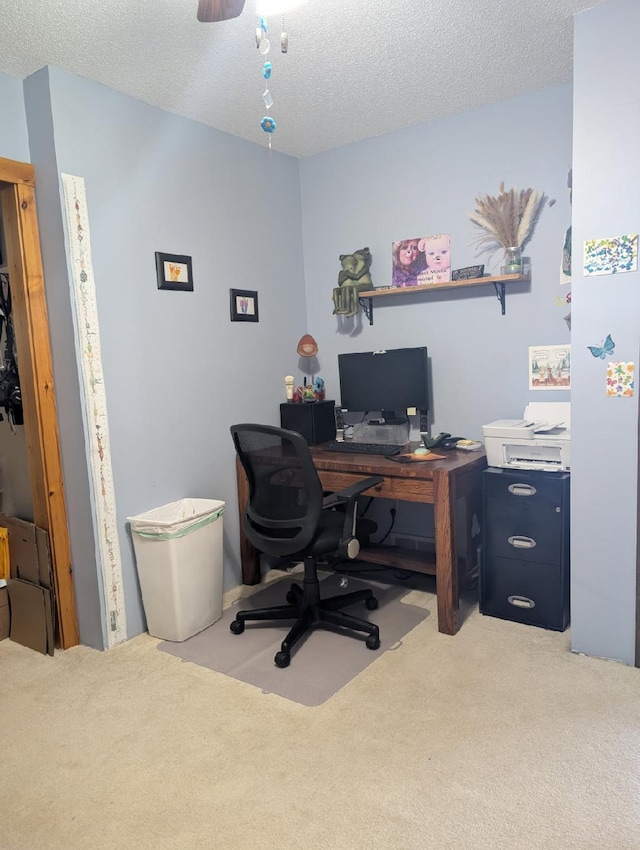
508, 219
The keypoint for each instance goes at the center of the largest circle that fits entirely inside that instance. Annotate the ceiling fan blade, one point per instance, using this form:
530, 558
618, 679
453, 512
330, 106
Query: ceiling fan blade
211, 11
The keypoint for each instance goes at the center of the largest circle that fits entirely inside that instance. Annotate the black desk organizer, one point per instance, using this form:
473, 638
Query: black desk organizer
524, 572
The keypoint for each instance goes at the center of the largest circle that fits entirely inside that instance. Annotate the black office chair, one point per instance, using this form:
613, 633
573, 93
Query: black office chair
288, 515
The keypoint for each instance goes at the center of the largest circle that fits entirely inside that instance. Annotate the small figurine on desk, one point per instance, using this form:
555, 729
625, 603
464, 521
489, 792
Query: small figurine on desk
288, 384
353, 279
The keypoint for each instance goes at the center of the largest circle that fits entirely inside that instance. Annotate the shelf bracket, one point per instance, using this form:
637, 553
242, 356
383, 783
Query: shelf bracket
499, 288
367, 308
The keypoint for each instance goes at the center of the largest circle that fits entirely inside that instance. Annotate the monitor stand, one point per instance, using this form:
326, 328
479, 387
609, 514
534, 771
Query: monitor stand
387, 429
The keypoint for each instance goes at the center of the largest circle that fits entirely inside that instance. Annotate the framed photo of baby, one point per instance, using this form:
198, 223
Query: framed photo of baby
420, 261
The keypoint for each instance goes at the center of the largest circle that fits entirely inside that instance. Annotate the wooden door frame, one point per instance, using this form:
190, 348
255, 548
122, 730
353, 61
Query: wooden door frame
31, 325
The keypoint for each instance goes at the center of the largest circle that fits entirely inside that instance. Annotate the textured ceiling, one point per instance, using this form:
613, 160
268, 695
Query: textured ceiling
354, 69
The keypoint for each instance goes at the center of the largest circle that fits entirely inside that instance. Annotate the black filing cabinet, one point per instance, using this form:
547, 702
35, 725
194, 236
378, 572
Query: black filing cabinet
525, 560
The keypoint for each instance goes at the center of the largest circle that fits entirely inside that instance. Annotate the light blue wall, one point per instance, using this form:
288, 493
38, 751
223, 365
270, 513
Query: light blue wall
13, 135
422, 181
65, 365
606, 203
177, 372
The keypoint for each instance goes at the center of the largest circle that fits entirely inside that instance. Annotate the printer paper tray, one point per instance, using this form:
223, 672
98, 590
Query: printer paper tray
526, 463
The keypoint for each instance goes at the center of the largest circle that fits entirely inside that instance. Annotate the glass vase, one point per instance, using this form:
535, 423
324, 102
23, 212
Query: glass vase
512, 261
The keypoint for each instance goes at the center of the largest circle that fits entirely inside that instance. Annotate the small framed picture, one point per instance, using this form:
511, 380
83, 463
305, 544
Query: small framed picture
174, 272
244, 305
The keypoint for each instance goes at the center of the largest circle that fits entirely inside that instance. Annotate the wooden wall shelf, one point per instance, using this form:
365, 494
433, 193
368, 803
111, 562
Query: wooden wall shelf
498, 281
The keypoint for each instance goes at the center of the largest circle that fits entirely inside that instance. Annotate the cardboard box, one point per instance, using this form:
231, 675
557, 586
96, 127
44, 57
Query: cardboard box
5, 613
29, 555
31, 616
31, 585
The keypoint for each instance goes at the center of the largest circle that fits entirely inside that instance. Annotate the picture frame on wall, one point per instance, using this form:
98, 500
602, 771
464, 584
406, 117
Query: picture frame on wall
174, 272
244, 305
421, 260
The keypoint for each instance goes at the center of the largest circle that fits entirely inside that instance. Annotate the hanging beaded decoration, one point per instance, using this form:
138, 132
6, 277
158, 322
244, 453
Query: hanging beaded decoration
263, 44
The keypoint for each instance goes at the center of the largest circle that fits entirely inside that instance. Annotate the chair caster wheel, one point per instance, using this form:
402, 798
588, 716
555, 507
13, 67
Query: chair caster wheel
282, 659
373, 642
291, 597
371, 603
237, 627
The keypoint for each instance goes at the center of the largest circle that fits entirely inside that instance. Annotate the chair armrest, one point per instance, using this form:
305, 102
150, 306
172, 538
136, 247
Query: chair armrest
351, 492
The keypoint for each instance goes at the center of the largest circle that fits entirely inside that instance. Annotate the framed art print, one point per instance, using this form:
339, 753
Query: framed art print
174, 272
244, 305
550, 367
420, 261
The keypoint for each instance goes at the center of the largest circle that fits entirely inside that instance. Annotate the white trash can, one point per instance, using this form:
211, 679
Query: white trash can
178, 551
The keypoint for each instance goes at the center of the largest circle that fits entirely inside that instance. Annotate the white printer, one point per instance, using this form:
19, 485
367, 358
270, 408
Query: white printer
541, 440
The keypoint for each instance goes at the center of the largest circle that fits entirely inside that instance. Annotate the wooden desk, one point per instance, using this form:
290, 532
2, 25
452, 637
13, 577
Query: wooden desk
440, 483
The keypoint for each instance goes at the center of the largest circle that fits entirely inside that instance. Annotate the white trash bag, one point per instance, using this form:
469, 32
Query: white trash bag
178, 550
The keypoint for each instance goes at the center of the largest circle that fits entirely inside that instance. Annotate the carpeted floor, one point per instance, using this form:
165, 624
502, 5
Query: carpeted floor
498, 738
322, 663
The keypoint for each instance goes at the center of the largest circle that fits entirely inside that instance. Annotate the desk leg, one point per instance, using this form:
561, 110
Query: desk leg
473, 505
447, 590
249, 555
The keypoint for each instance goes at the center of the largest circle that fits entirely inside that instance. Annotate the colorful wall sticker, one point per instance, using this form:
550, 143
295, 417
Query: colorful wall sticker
620, 379
611, 256
601, 351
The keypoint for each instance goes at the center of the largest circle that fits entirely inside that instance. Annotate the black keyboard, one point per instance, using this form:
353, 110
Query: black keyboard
350, 447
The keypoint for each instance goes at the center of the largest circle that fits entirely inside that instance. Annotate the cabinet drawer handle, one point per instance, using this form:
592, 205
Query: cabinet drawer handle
522, 489
519, 542
521, 601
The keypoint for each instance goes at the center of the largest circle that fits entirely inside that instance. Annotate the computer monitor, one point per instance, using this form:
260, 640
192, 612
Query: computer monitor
389, 381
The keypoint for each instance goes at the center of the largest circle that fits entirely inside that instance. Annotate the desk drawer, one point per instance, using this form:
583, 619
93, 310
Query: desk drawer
404, 489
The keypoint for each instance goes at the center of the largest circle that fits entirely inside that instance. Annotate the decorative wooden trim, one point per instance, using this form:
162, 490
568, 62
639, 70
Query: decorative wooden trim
38, 392
17, 172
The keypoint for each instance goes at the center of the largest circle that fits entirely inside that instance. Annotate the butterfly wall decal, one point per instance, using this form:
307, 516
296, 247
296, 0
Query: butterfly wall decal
608, 347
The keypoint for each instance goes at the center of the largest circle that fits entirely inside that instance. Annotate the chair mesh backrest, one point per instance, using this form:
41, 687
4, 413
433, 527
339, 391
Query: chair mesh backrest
285, 493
